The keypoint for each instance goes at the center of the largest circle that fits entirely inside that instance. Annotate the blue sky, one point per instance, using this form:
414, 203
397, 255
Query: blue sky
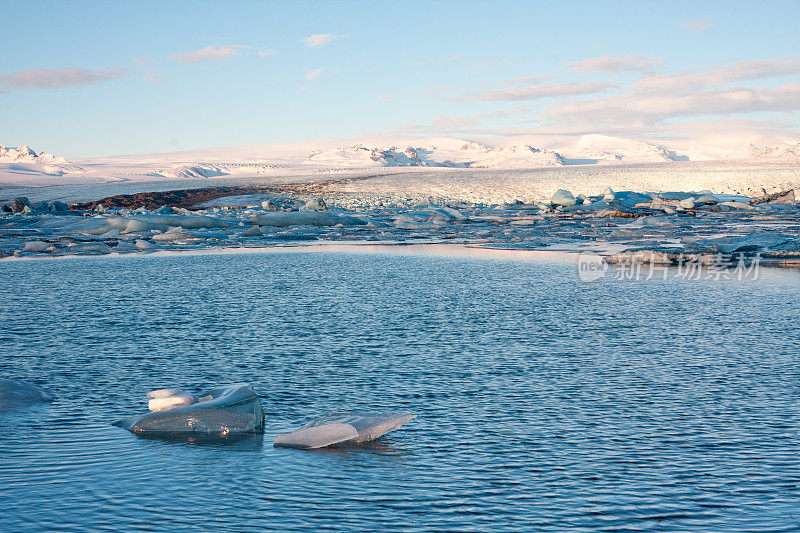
103, 78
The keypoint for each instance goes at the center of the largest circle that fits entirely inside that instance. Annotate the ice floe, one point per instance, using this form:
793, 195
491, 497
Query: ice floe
16, 394
223, 411
602, 220
563, 198
305, 218
343, 428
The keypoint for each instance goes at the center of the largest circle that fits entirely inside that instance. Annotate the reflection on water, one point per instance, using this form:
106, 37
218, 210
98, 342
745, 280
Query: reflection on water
543, 403
241, 441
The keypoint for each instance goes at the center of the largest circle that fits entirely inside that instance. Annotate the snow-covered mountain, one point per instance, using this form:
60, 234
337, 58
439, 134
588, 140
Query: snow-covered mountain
788, 151
453, 153
24, 159
291, 162
622, 150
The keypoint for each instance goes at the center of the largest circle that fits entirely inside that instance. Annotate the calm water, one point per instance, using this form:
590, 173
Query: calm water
543, 403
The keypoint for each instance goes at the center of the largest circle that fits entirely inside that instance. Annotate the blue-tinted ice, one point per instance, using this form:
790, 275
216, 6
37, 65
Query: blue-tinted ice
230, 410
15, 394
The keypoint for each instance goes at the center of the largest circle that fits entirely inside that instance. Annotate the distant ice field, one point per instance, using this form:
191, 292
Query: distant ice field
473, 185
666, 207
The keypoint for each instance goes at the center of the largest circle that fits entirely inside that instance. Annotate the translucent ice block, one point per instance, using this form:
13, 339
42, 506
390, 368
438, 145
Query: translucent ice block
229, 410
14, 394
343, 428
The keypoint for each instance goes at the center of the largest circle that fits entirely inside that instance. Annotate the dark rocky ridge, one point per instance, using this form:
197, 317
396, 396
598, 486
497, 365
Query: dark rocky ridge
189, 198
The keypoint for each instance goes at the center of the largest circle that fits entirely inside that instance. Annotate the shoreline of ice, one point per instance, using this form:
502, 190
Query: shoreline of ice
483, 209
385, 248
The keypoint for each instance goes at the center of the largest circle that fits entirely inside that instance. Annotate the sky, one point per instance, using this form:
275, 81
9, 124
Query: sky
87, 79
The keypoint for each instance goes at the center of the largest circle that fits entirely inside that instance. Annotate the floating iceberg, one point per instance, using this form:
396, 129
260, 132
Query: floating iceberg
305, 218
15, 394
137, 223
755, 242
168, 399
563, 198
315, 204
627, 198
342, 428
224, 411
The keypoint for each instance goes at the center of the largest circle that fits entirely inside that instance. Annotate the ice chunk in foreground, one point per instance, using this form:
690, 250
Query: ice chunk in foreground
20, 394
317, 436
343, 428
220, 412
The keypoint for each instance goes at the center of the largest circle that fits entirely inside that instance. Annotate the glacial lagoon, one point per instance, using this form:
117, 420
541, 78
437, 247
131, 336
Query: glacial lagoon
543, 402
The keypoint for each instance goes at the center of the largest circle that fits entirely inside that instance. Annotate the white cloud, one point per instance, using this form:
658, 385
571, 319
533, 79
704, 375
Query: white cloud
320, 39
652, 108
267, 52
722, 74
617, 64
533, 92
386, 96
209, 52
698, 24
314, 74
56, 78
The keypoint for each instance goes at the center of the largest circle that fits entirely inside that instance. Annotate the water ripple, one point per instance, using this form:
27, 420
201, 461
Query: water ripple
543, 404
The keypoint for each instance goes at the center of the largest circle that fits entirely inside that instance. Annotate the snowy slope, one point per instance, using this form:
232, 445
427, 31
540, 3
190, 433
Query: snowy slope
291, 162
622, 150
24, 160
442, 152
788, 151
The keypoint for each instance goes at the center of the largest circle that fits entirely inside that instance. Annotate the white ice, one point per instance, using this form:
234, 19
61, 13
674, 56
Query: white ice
343, 428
